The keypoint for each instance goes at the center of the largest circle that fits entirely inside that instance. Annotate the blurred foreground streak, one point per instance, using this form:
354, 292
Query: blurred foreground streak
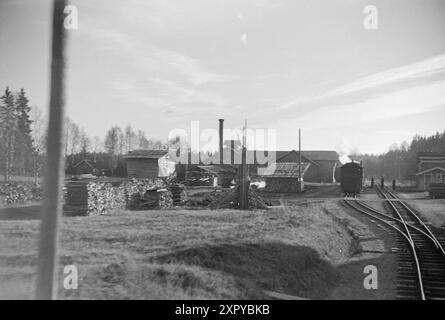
52, 204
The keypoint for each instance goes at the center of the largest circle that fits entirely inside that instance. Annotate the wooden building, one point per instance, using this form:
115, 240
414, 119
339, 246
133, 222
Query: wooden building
148, 164
84, 167
283, 177
430, 169
321, 165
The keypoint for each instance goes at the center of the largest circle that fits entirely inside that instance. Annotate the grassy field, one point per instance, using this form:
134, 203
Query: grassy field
184, 254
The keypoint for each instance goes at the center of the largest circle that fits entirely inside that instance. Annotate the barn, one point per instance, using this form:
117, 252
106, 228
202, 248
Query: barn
326, 162
148, 164
430, 169
321, 165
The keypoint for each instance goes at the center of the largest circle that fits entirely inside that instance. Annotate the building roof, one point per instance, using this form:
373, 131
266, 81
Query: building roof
319, 155
145, 154
430, 154
219, 169
253, 156
430, 170
311, 156
285, 170
430, 157
88, 162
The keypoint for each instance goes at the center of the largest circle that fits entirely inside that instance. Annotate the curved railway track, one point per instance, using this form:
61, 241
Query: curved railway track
421, 256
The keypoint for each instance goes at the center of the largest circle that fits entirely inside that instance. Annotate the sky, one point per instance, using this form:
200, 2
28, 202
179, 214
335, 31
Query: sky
279, 64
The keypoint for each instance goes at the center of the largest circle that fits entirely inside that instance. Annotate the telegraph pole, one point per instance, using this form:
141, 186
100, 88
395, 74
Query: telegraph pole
52, 200
244, 187
299, 161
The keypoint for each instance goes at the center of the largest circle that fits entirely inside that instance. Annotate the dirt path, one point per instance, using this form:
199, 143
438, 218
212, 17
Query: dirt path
373, 248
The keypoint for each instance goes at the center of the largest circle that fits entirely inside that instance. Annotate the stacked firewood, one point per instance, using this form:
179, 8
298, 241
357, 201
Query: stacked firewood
104, 198
97, 197
230, 199
19, 192
150, 200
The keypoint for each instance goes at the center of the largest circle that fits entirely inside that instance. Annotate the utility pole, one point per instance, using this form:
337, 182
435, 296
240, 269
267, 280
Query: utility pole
300, 183
52, 204
244, 186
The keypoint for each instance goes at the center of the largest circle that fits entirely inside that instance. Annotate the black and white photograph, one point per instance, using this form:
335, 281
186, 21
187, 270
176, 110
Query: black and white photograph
223, 155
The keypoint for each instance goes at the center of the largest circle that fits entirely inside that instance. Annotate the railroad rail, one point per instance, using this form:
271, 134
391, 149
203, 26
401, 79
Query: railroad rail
421, 257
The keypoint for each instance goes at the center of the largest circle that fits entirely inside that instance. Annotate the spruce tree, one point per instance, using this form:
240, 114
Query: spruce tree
8, 125
23, 142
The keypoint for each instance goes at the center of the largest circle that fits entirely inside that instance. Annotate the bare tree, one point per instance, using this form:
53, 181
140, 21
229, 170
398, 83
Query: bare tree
130, 138
38, 140
142, 141
85, 142
96, 146
112, 140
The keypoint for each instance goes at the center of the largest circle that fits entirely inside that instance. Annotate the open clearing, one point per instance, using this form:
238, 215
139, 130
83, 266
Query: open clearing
305, 250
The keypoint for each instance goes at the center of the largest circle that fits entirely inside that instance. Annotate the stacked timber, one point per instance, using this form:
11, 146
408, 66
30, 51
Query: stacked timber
19, 192
151, 200
177, 193
105, 197
76, 198
231, 199
99, 197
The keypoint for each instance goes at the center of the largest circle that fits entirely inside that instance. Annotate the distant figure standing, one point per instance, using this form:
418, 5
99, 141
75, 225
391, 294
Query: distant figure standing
394, 184
382, 182
372, 182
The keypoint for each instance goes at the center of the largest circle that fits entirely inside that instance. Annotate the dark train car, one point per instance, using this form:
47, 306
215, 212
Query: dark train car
351, 178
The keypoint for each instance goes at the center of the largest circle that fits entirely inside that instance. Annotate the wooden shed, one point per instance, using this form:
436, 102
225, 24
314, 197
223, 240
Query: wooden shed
283, 177
431, 169
84, 167
148, 164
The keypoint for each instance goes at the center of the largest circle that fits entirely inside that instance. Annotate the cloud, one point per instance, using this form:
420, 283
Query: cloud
187, 66
389, 80
414, 71
393, 105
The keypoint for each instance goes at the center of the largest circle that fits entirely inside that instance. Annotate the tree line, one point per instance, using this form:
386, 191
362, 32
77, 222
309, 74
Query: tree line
23, 136
400, 162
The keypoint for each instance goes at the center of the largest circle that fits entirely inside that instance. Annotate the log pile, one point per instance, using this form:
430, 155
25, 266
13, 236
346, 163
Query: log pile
104, 198
76, 198
98, 197
230, 199
19, 192
151, 200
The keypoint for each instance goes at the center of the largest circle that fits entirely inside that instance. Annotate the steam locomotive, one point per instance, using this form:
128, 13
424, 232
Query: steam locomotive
352, 178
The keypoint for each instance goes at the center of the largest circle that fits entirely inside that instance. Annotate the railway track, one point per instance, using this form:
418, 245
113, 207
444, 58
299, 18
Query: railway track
421, 256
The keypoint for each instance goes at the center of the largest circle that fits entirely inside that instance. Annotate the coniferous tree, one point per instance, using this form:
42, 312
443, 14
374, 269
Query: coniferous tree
23, 138
8, 125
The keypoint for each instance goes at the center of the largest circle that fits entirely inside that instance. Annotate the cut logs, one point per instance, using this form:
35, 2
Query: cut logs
231, 199
97, 197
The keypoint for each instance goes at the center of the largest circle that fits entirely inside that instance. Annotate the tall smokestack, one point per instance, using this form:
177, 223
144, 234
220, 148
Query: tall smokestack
221, 140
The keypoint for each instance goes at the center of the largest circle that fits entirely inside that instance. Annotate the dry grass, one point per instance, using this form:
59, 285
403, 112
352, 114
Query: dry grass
432, 210
184, 254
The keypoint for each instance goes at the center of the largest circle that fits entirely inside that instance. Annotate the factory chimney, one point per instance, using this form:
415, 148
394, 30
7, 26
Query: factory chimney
221, 140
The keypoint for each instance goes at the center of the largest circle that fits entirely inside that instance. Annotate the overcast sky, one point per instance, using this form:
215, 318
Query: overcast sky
281, 64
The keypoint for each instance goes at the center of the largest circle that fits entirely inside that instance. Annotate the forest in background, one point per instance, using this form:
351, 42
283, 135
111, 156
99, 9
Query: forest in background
23, 132
400, 162
23, 137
